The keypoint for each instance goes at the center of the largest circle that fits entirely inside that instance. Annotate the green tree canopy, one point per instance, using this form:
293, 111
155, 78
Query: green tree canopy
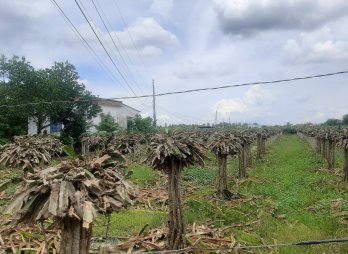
138, 124
345, 119
107, 123
22, 84
333, 122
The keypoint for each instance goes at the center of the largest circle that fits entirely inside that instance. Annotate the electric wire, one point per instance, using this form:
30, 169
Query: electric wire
239, 85
100, 12
129, 34
113, 41
89, 48
140, 102
106, 51
85, 42
132, 42
187, 91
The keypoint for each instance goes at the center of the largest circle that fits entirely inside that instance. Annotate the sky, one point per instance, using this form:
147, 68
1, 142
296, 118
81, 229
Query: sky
189, 44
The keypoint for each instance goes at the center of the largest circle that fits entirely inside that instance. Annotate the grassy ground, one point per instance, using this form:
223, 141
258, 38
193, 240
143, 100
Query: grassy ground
284, 199
313, 202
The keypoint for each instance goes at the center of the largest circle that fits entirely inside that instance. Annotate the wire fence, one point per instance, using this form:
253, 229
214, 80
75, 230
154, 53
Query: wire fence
245, 247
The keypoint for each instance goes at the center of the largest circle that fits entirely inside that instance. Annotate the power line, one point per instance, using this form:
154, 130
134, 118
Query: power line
239, 85
129, 34
186, 91
88, 47
84, 42
112, 39
95, 3
101, 43
131, 40
101, 35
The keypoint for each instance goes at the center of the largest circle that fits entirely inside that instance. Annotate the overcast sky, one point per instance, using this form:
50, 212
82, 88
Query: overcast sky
187, 44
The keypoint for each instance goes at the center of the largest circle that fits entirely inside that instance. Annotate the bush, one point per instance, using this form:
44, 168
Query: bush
107, 124
200, 175
289, 130
4, 141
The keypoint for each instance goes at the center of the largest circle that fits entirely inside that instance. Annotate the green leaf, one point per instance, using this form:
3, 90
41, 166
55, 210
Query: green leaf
129, 173
4, 184
69, 151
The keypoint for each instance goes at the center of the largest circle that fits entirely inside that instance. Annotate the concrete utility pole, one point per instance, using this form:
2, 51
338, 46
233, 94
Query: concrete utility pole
154, 103
216, 113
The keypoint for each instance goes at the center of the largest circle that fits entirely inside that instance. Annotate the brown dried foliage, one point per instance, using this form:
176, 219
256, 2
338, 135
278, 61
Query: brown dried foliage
29, 151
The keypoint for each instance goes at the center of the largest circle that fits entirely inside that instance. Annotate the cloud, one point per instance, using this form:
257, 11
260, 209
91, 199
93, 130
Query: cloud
320, 116
162, 7
301, 99
165, 118
144, 37
245, 17
316, 47
20, 20
192, 69
148, 36
255, 102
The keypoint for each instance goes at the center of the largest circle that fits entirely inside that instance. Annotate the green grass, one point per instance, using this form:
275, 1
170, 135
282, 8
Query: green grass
9, 174
199, 175
293, 186
142, 175
129, 222
284, 183
339, 158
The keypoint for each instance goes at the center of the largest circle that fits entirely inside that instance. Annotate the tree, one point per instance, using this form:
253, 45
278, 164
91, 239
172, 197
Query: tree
345, 119
24, 85
244, 157
223, 145
138, 124
12, 120
343, 142
107, 123
71, 194
172, 154
261, 143
333, 122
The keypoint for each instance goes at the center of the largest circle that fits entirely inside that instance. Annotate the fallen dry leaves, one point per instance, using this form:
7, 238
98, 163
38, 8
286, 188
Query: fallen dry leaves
198, 236
28, 152
29, 238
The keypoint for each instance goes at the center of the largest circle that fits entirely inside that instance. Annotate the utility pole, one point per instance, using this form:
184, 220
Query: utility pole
216, 113
154, 103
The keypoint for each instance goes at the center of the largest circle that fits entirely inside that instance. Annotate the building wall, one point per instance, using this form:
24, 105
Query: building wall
120, 114
32, 127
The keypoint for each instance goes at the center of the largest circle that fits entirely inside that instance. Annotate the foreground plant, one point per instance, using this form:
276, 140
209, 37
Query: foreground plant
343, 142
223, 145
244, 157
92, 143
72, 195
29, 152
172, 154
123, 144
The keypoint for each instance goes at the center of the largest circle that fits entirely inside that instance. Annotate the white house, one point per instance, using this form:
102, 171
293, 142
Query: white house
119, 111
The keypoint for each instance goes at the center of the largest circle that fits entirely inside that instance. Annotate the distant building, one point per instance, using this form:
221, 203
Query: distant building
119, 111
254, 125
